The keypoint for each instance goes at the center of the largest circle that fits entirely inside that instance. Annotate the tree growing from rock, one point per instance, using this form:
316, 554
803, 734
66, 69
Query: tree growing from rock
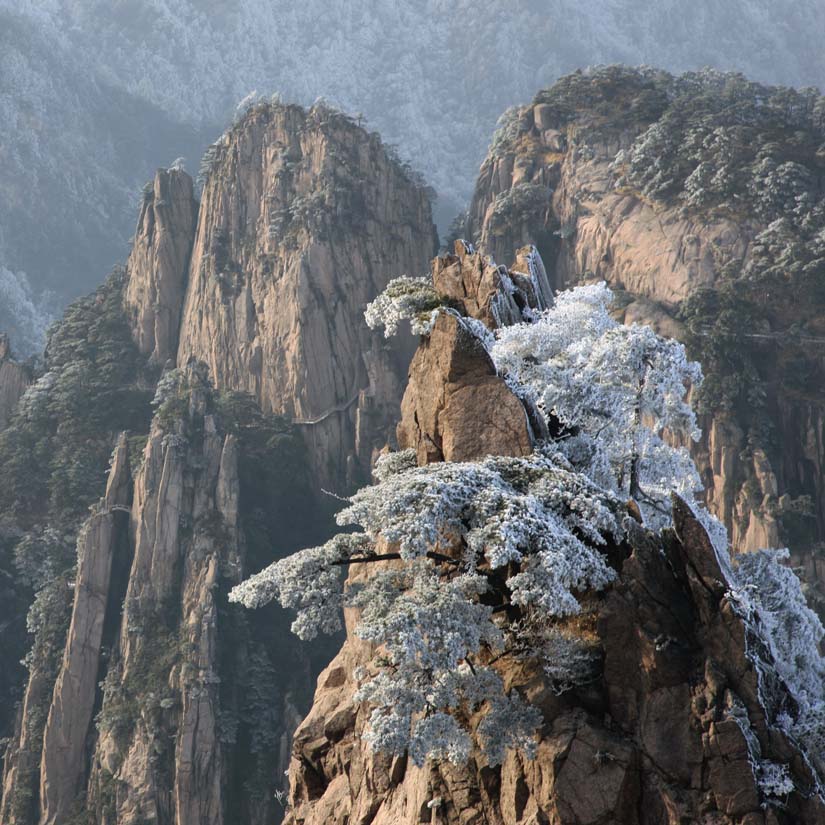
617, 391
482, 559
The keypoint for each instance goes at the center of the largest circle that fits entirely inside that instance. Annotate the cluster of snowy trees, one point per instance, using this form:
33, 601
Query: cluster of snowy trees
404, 299
714, 144
482, 558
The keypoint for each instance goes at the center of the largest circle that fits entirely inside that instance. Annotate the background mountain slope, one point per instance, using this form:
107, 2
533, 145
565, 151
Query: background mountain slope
94, 96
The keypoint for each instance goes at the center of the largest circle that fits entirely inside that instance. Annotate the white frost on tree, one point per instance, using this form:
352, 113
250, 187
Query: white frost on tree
404, 299
617, 390
527, 532
485, 559
768, 595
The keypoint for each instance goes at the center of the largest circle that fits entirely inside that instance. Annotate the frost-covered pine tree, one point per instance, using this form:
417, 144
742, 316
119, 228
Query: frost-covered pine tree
618, 391
473, 544
480, 560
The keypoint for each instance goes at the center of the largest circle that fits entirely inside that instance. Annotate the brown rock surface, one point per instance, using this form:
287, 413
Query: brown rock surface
452, 388
172, 572
488, 292
668, 735
452, 384
157, 266
303, 220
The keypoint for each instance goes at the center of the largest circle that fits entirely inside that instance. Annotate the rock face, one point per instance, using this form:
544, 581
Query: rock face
555, 181
669, 734
183, 532
452, 382
155, 708
304, 219
13, 381
72, 706
158, 264
490, 293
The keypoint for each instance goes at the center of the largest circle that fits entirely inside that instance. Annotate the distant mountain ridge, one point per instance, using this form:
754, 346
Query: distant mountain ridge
94, 96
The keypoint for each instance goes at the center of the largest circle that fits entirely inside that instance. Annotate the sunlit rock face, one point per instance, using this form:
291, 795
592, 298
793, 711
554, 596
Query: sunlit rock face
584, 174
303, 220
158, 265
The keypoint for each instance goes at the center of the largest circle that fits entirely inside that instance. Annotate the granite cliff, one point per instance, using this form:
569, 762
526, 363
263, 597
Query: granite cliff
698, 200
304, 218
148, 698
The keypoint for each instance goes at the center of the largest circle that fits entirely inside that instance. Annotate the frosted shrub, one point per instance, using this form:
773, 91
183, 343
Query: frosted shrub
34, 405
769, 596
774, 779
567, 658
617, 389
508, 128
169, 385
410, 299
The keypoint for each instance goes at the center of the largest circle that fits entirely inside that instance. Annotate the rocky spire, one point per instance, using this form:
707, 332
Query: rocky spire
157, 266
69, 724
304, 219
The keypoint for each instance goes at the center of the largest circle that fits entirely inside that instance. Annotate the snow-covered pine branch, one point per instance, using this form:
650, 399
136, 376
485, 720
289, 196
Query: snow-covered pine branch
404, 299
617, 389
523, 533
